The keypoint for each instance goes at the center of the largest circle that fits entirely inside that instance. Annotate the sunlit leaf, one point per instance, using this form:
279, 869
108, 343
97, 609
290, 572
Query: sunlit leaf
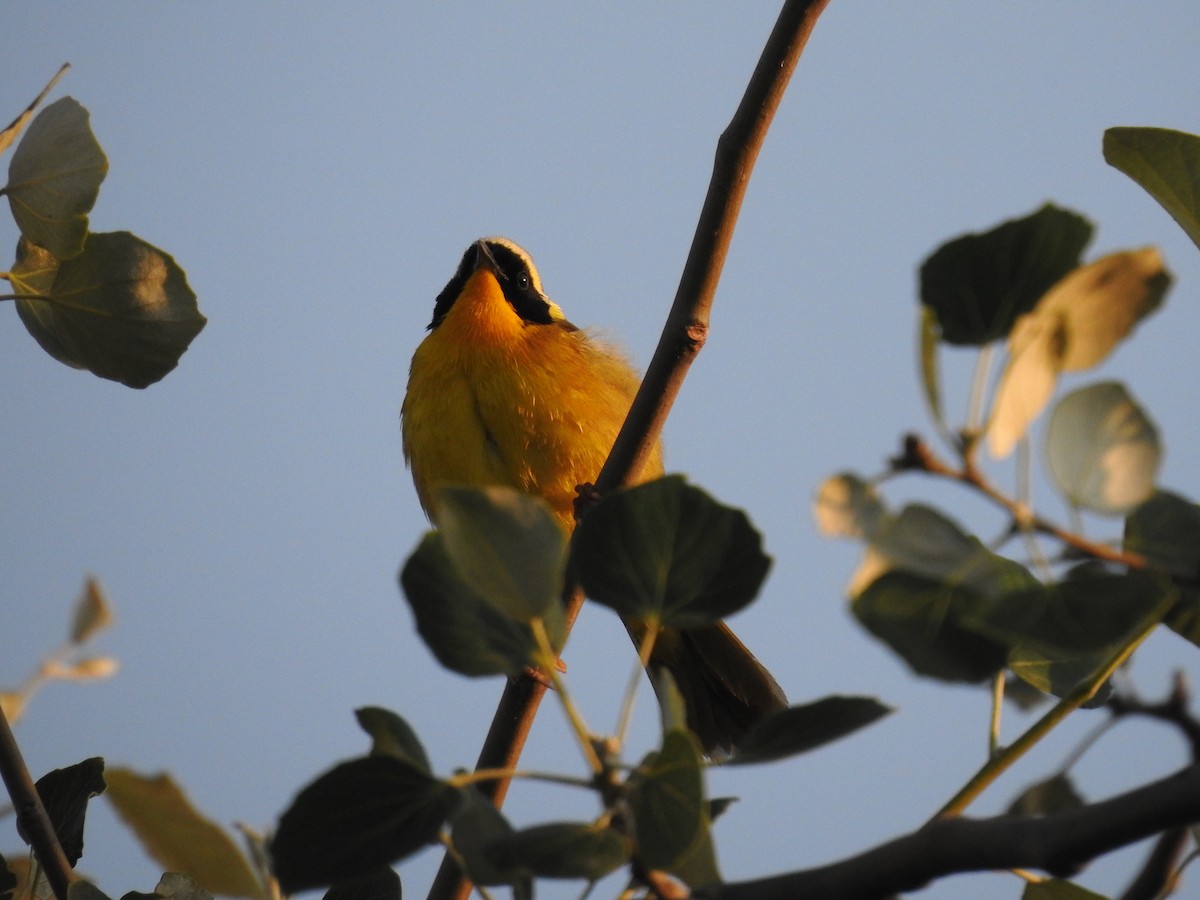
667, 551
1074, 326
177, 886
1060, 675
799, 729
392, 736
1035, 357
466, 634
1164, 162
1102, 449
121, 309
847, 506
54, 178
178, 836
507, 546
562, 850
358, 816
89, 668
978, 284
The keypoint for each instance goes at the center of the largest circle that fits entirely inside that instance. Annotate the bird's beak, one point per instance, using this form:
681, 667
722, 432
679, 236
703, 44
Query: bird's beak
484, 259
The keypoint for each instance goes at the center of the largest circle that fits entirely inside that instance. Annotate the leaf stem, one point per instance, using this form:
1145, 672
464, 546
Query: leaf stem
1083, 692
997, 709
548, 658
645, 648
479, 776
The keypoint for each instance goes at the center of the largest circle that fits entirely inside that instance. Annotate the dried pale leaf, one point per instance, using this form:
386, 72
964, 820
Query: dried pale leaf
12, 704
1100, 303
1028, 381
89, 669
1102, 449
92, 613
848, 506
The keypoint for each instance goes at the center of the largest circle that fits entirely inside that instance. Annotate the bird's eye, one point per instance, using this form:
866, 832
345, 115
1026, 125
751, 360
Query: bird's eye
522, 281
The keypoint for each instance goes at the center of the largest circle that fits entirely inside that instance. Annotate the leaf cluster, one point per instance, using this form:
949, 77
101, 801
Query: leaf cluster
108, 302
486, 592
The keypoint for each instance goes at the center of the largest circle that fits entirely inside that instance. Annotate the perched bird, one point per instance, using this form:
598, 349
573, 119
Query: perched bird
505, 391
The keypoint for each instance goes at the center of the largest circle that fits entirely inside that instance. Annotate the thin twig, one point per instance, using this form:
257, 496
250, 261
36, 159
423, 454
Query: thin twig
32, 820
682, 338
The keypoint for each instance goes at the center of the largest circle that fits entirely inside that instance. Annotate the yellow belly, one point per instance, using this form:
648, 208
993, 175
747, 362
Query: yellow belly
539, 413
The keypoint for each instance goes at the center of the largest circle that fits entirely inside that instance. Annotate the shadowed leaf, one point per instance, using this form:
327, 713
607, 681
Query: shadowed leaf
1166, 164
392, 736
667, 801
382, 884
121, 309
978, 284
358, 816
562, 850
667, 551
1056, 794
466, 634
474, 828
1166, 530
54, 178
65, 793
799, 729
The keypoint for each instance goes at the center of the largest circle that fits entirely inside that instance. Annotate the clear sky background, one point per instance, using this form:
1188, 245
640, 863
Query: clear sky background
318, 171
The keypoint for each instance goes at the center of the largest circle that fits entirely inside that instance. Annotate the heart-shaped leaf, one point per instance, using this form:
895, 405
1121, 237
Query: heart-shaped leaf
1164, 162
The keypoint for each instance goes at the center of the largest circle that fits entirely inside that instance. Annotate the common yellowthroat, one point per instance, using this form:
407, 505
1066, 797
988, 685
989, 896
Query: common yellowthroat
505, 391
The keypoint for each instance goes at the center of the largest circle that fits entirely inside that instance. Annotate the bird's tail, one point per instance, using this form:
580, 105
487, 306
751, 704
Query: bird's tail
725, 689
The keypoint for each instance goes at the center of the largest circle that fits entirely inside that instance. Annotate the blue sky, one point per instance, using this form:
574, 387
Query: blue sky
318, 174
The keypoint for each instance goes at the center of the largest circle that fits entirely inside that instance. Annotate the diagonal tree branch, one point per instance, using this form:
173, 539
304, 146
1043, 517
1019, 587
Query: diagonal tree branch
1058, 843
682, 338
32, 820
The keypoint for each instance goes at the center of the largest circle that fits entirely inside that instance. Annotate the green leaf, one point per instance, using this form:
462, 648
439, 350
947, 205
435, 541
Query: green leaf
562, 850
666, 551
392, 736
121, 309
381, 884
507, 546
1166, 530
922, 541
978, 284
1074, 326
1092, 610
1164, 162
465, 633
918, 618
54, 178
1053, 889
475, 826
666, 799
358, 816
848, 506
1102, 449
799, 729
178, 836
1055, 794
65, 793
931, 381
1060, 675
